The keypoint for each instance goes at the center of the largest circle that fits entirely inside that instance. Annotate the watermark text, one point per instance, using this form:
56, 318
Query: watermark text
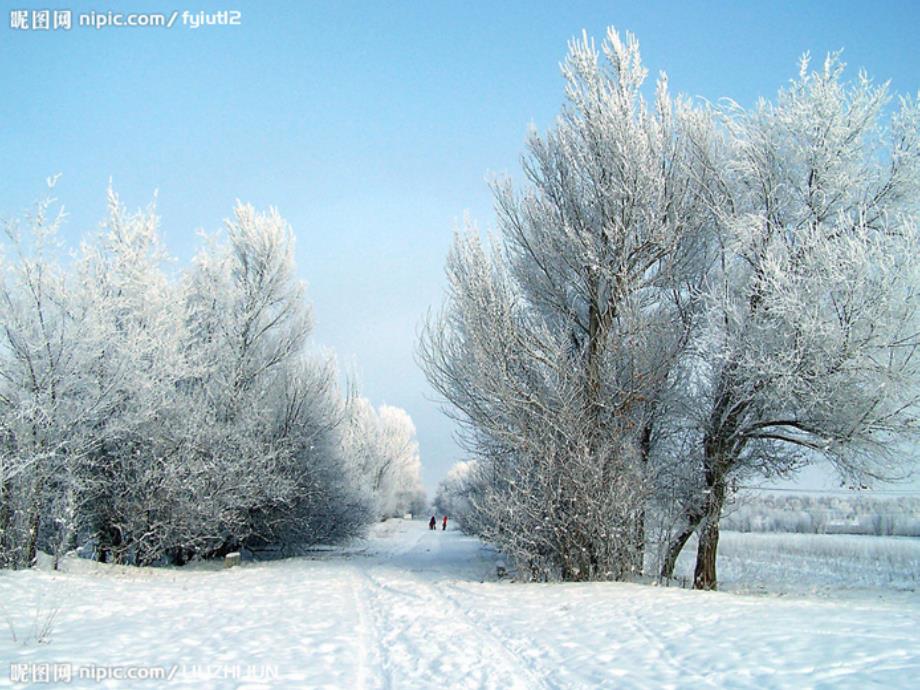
64, 19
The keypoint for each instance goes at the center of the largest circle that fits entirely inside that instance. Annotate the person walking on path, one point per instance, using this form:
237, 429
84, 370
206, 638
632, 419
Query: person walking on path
432, 522
444, 524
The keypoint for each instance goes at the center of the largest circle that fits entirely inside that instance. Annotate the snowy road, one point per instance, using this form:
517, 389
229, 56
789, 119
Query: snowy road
409, 609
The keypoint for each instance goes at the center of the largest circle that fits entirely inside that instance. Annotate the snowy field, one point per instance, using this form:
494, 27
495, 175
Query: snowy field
409, 608
826, 565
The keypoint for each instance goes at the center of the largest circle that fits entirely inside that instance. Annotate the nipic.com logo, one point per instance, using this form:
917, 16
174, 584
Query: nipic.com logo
47, 673
64, 19
41, 20
56, 672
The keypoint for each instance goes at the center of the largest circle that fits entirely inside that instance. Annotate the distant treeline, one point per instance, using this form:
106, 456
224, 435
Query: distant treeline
857, 514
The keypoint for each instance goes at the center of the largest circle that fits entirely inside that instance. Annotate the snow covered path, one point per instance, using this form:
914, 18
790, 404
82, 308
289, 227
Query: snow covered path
415, 609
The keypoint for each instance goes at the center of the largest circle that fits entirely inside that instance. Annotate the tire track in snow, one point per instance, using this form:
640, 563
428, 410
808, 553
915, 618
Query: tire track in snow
369, 674
634, 621
538, 676
411, 613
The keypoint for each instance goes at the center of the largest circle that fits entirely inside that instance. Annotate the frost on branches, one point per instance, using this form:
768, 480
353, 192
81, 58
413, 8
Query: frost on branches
679, 297
559, 341
385, 458
152, 420
809, 349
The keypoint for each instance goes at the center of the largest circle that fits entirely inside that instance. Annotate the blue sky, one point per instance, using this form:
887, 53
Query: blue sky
372, 126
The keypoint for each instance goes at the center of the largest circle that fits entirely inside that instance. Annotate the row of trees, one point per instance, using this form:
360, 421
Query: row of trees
681, 296
839, 514
156, 415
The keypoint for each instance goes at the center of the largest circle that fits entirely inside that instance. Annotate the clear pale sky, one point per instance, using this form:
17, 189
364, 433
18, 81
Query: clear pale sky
372, 126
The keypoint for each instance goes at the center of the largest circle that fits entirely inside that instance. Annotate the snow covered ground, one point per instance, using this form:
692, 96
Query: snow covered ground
410, 608
826, 565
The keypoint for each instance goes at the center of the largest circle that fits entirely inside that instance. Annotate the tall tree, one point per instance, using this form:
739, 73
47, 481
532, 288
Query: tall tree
810, 350
43, 406
129, 352
557, 347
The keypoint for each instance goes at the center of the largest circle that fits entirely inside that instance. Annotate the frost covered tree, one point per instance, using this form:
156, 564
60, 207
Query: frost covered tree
557, 346
40, 409
459, 495
268, 452
129, 352
810, 346
384, 455
156, 417
682, 297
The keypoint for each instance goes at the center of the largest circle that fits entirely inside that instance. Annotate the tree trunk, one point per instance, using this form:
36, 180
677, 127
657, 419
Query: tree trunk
677, 544
645, 449
35, 520
704, 576
34, 524
721, 450
8, 549
638, 554
66, 532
